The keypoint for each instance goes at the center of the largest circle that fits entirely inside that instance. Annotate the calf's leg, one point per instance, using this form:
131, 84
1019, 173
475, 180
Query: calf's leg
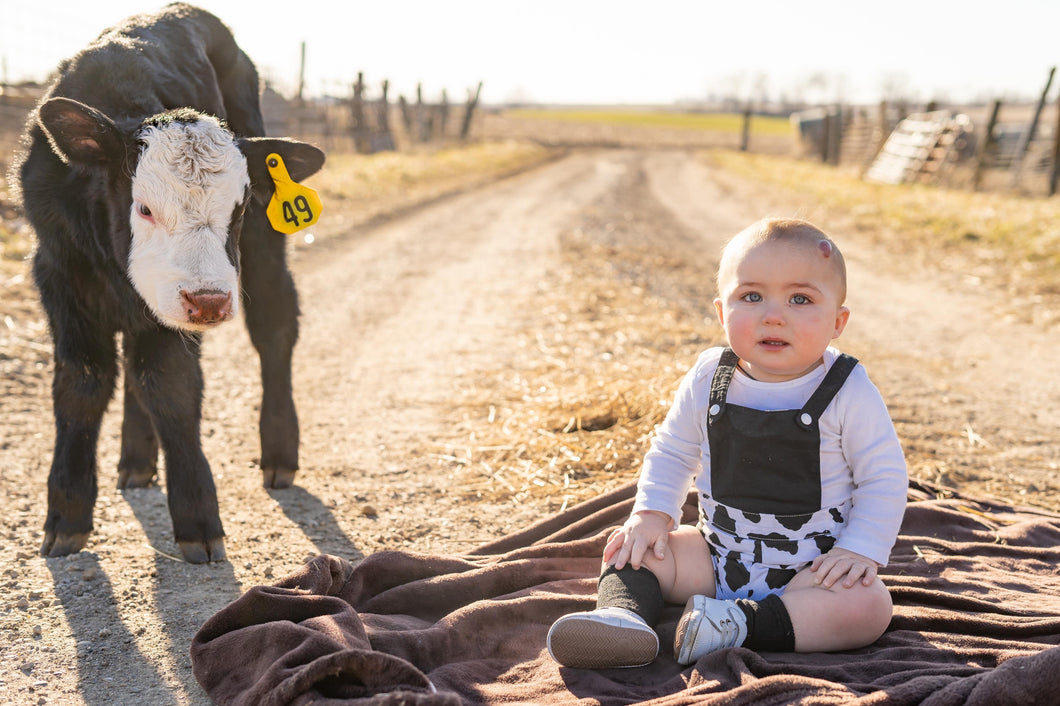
165, 376
80, 397
270, 303
85, 373
139, 444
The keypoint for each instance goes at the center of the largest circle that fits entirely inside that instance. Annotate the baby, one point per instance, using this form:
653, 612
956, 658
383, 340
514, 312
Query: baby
800, 477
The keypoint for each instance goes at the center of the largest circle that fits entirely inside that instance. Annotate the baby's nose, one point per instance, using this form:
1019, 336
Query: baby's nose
773, 313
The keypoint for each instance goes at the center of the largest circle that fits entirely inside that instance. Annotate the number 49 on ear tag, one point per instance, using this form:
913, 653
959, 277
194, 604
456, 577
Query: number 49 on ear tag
293, 206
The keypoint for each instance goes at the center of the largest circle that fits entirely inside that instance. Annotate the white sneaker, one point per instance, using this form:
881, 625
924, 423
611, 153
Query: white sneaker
708, 625
601, 639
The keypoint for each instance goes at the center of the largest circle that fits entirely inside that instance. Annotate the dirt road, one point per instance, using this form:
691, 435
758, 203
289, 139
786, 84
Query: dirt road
414, 334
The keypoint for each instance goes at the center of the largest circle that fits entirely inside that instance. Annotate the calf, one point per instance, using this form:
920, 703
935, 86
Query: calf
145, 178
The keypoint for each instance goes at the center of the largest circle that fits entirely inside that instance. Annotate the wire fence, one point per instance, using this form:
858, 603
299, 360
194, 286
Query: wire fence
360, 122
984, 147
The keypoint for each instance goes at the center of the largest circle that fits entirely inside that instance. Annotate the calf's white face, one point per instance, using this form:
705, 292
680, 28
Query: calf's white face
190, 183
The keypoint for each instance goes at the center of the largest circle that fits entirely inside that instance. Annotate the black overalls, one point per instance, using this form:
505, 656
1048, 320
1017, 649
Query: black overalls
763, 517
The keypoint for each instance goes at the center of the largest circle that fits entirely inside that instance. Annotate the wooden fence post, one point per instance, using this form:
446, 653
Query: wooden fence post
406, 117
301, 78
384, 109
300, 110
383, 139
423, 117
443, 115
831, 135
984, 145
835, 140
1028, 136
745, 134
472, 101
384, 118
826, 136
1055, 174
359, 126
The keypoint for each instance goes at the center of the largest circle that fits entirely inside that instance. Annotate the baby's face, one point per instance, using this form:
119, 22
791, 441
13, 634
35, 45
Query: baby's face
780, 305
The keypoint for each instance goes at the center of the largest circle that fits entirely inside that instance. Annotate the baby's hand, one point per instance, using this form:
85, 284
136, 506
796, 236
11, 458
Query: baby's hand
643, 531
843, 564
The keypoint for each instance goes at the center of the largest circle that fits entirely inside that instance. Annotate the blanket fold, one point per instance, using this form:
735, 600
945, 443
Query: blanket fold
977, 621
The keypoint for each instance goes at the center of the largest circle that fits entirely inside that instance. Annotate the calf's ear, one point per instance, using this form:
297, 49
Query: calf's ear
81, 134
301, 159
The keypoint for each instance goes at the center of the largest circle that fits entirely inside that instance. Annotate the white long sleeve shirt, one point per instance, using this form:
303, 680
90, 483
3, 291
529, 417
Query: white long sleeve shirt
861, 457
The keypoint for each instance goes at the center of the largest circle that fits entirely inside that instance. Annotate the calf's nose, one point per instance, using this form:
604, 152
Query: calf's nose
207, 306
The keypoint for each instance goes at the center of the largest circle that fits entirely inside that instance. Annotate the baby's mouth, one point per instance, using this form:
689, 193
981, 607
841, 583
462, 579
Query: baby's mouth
773, 343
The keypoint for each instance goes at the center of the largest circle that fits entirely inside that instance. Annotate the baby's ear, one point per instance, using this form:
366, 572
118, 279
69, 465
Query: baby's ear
720, 311
841, 318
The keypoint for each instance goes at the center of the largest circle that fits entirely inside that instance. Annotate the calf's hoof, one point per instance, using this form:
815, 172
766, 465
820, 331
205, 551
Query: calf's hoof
203, 552
278, 477
135, 477
61, 544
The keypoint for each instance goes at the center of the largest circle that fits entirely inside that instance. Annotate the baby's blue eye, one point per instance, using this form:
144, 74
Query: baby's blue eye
752, 297
800, 299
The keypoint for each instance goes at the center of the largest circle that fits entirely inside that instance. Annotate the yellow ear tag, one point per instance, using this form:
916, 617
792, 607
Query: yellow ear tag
293, 206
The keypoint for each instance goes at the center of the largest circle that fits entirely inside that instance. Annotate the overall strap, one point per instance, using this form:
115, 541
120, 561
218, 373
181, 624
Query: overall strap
719, 386
813, 409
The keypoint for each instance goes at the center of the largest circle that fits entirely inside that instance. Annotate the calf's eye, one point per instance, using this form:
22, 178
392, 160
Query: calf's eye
143, 211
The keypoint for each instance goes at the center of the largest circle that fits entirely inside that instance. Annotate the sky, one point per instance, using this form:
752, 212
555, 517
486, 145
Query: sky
603, 51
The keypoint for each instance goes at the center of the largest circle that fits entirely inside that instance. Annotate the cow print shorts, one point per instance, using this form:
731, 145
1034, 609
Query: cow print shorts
756, 555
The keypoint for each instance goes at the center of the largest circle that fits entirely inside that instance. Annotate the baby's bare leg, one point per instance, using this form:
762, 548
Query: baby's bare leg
687, 569
836, 618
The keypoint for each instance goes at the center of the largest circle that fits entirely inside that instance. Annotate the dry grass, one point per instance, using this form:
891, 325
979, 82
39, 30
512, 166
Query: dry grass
360, 187
576, 420
596, 375
16, 237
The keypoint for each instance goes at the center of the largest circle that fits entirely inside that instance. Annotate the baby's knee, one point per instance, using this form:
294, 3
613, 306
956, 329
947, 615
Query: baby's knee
874, 606
664, 569
686, 568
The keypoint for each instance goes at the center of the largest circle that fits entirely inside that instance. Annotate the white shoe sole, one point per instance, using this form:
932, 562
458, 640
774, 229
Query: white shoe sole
585, 643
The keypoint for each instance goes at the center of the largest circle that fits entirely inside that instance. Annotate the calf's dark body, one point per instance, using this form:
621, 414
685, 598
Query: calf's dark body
181, 57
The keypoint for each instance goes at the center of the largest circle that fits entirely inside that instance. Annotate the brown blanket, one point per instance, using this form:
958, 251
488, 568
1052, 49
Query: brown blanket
976, 588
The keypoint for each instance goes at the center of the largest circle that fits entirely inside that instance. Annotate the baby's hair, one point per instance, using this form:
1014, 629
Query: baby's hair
783, 230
